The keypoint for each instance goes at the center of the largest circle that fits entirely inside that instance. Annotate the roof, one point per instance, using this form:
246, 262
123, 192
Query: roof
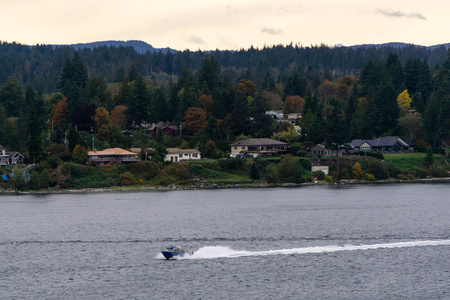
259, 142
386, 141
178, 150
13, 153
111, 151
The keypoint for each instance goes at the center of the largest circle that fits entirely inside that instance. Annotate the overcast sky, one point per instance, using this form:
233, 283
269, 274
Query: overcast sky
225, 24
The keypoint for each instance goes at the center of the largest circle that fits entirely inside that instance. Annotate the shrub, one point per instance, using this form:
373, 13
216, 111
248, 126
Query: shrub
127, 179
35, 181
402, 177
165, 180
306, 164
290, 169
328, 178
80, 154
319, 175
377, 169
271, 174
146, 170
231, 164
369, 177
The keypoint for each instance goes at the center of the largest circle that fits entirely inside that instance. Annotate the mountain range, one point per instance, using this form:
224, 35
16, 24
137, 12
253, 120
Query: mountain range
142, 47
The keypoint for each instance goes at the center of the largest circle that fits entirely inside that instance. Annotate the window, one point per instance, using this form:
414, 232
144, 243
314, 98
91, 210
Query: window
235, 147
194, 155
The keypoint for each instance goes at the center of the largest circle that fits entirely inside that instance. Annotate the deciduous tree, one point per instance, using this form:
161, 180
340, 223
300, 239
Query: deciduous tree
194, 120
293, 104
404, 102
102, 123
118, 116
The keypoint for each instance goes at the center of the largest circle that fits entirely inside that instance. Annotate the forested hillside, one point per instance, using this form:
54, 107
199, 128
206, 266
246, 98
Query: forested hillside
49, 94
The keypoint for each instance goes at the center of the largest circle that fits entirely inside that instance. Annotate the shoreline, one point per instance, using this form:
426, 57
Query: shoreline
212, 186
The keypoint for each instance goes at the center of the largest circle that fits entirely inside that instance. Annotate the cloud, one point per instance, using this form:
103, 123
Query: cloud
272, 31
195, 39
398, 14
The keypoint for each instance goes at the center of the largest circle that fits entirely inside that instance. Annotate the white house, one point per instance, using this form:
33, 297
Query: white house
177, 154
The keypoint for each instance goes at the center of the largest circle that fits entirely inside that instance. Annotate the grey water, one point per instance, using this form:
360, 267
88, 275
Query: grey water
317, 242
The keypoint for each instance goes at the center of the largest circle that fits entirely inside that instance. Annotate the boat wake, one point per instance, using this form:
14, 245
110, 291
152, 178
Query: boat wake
211, 252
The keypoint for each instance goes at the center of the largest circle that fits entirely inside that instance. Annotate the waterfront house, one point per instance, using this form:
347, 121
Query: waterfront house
112, 156
258, 147
321, 150
177, 154
387, 144
10, 157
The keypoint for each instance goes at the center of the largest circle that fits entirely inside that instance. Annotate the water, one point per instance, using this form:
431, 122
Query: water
351, 242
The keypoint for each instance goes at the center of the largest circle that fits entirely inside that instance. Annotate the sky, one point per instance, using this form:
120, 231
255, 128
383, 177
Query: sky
226, 24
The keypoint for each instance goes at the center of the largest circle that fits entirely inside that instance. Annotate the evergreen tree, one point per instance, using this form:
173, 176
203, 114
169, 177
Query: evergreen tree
395, 71
73, 80
34, 124
140, 103
262, 123
11, 98
211, 130
160, 110
336, 133
209, 76
296, 85
72, 138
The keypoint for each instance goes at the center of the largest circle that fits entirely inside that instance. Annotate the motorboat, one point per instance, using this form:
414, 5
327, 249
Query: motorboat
174, 252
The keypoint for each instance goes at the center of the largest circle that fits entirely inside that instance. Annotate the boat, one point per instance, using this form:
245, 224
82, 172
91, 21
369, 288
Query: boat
174, 252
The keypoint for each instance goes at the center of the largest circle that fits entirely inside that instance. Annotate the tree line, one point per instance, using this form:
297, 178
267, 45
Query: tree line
219, 96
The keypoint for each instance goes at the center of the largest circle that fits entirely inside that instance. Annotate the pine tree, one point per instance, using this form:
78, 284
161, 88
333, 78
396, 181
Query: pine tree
34, 124
12, 98
209, 76
395, 71
140, 103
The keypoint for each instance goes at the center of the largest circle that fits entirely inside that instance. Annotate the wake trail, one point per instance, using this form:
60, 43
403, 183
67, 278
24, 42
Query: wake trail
212, 252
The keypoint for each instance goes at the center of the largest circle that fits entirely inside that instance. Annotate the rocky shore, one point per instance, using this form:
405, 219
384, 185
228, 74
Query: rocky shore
212, 185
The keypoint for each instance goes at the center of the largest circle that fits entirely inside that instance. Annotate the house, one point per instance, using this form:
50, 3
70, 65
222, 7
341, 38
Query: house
10, 157
324, 169
4, 158
143, 152
280, 117
177, 154
166, 130
276, 114
292, 118
387, 144
321, 150
113, 156
258, 147
15, 158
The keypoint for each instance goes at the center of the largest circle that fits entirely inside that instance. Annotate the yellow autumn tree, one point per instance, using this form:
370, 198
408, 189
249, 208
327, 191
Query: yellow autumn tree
404, 102
357, 172
102, 122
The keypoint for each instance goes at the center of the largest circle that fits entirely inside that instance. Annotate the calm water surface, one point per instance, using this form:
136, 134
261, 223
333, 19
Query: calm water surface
350, 242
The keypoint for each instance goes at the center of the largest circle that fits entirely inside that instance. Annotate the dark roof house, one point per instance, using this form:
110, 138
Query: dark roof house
259, 147
387, 144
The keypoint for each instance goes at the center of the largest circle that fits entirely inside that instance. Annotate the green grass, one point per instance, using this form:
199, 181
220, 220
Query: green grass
404, 156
